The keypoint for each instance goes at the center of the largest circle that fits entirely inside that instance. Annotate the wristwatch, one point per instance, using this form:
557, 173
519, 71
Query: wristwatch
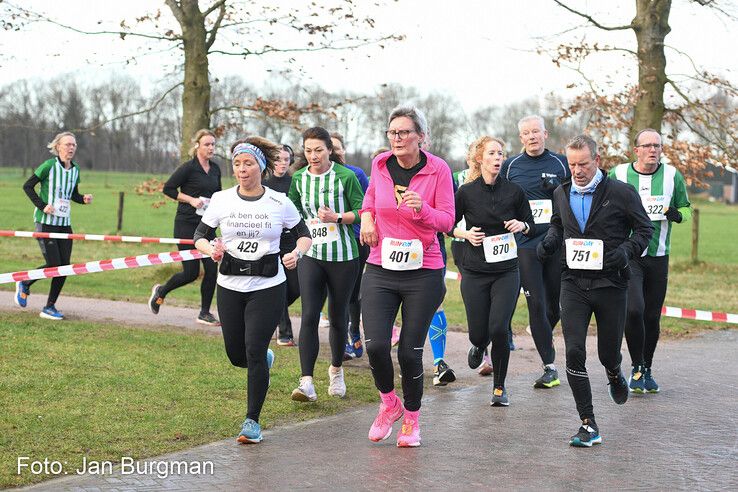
339, 219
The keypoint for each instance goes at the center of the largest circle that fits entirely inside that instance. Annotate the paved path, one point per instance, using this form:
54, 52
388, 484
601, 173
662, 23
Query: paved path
684, 438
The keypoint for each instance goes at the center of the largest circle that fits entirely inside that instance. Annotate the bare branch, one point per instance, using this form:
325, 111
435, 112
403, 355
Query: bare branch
135, 113
272, 49
220, 4
591, 20
214, 31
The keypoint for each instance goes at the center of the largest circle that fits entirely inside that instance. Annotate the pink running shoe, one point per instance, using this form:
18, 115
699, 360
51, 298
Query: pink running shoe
395, 335
382, 426
486, 368
409, 435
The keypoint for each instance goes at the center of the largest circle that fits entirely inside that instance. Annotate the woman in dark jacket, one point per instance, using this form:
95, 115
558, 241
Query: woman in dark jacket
192, 184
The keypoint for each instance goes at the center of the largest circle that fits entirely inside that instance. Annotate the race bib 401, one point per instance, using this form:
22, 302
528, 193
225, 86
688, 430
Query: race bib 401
402, 254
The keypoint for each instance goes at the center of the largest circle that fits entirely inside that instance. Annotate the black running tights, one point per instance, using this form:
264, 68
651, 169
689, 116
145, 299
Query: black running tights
577, 306
315, 275
541, 285
646, 292
489, 300
191, 269
247, 321
56, 252
419, 292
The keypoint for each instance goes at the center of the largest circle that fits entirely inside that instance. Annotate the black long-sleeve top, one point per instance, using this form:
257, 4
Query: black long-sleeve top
488, 207
190, 178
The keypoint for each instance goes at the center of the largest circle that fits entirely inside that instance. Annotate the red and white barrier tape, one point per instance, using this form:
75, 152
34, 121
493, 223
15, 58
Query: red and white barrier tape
103, 265
95, 237
672, 312
675, 312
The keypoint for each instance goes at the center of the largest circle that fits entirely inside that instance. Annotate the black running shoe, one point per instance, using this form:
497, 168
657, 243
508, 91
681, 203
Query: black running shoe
155, 301
618, 387
475, 357
587, 436
442, 374
549, 379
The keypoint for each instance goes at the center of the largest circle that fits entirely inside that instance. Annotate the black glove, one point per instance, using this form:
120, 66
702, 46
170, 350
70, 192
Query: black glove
616, 259
673, 215
543, 252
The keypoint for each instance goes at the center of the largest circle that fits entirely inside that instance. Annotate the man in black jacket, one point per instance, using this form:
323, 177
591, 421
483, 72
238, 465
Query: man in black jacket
601, 224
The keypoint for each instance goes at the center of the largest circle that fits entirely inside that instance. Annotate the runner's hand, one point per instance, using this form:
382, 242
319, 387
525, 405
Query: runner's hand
325, 214
218, 250
616, 259
87, 199
49, 210
673, 215
514, 225
474, 236
368, 232
412, 200
197, 203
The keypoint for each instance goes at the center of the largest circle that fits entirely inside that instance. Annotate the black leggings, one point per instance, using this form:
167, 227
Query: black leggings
542, 286
646, 293
191, 269
315, 275
247, 321
577, 306
419, 292
489, 299
56, 252
355, 304
293, 292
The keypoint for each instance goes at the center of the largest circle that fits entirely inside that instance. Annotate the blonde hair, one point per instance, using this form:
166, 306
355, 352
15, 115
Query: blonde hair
55, 142
196, 140
474, 155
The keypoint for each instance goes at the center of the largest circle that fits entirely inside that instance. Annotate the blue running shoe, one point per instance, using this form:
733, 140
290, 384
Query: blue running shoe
348, 352
587, 435
648, 382
50, 312
250, 432
637, 380
270, 363
22, 291
358, 346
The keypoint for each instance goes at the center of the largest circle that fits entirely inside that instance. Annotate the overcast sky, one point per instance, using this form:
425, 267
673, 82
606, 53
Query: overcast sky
482, 52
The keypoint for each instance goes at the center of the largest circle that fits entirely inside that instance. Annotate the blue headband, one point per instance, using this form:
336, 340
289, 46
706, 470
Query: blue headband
247, 148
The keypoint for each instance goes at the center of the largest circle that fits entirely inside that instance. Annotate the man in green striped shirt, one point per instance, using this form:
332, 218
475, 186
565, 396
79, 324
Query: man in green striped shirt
664, 196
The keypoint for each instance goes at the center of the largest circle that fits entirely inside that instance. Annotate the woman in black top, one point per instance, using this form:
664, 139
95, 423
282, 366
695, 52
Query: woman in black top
192, 185
280, 180
494, 209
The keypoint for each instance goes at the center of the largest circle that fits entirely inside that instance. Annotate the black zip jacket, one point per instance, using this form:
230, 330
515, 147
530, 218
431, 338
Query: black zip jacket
487, 207
617, 217
190, 179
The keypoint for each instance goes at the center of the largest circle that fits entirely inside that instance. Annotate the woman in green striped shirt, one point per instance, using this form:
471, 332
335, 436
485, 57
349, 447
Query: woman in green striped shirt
59, 178
328, 196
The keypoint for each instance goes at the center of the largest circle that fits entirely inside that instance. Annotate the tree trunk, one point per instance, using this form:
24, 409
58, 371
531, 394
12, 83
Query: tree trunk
196, 93
651, 25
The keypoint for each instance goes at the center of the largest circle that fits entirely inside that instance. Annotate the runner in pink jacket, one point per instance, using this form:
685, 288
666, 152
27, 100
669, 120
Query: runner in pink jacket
409, 200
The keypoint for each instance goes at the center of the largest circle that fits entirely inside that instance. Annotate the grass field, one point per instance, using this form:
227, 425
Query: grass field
75, 389
710, 285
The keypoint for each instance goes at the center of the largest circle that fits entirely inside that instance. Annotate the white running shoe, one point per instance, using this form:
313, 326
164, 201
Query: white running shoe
337, 385
324, 322
305, 391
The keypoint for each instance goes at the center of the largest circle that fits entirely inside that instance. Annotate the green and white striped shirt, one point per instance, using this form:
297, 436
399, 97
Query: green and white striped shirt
666, 181
459, 179
57, 183
337, 189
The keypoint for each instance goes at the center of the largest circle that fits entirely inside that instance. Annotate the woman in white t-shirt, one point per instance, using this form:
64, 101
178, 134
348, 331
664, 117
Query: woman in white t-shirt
251, 280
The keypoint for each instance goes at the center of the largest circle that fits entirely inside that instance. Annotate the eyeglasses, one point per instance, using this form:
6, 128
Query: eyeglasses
650, 146
402, 134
